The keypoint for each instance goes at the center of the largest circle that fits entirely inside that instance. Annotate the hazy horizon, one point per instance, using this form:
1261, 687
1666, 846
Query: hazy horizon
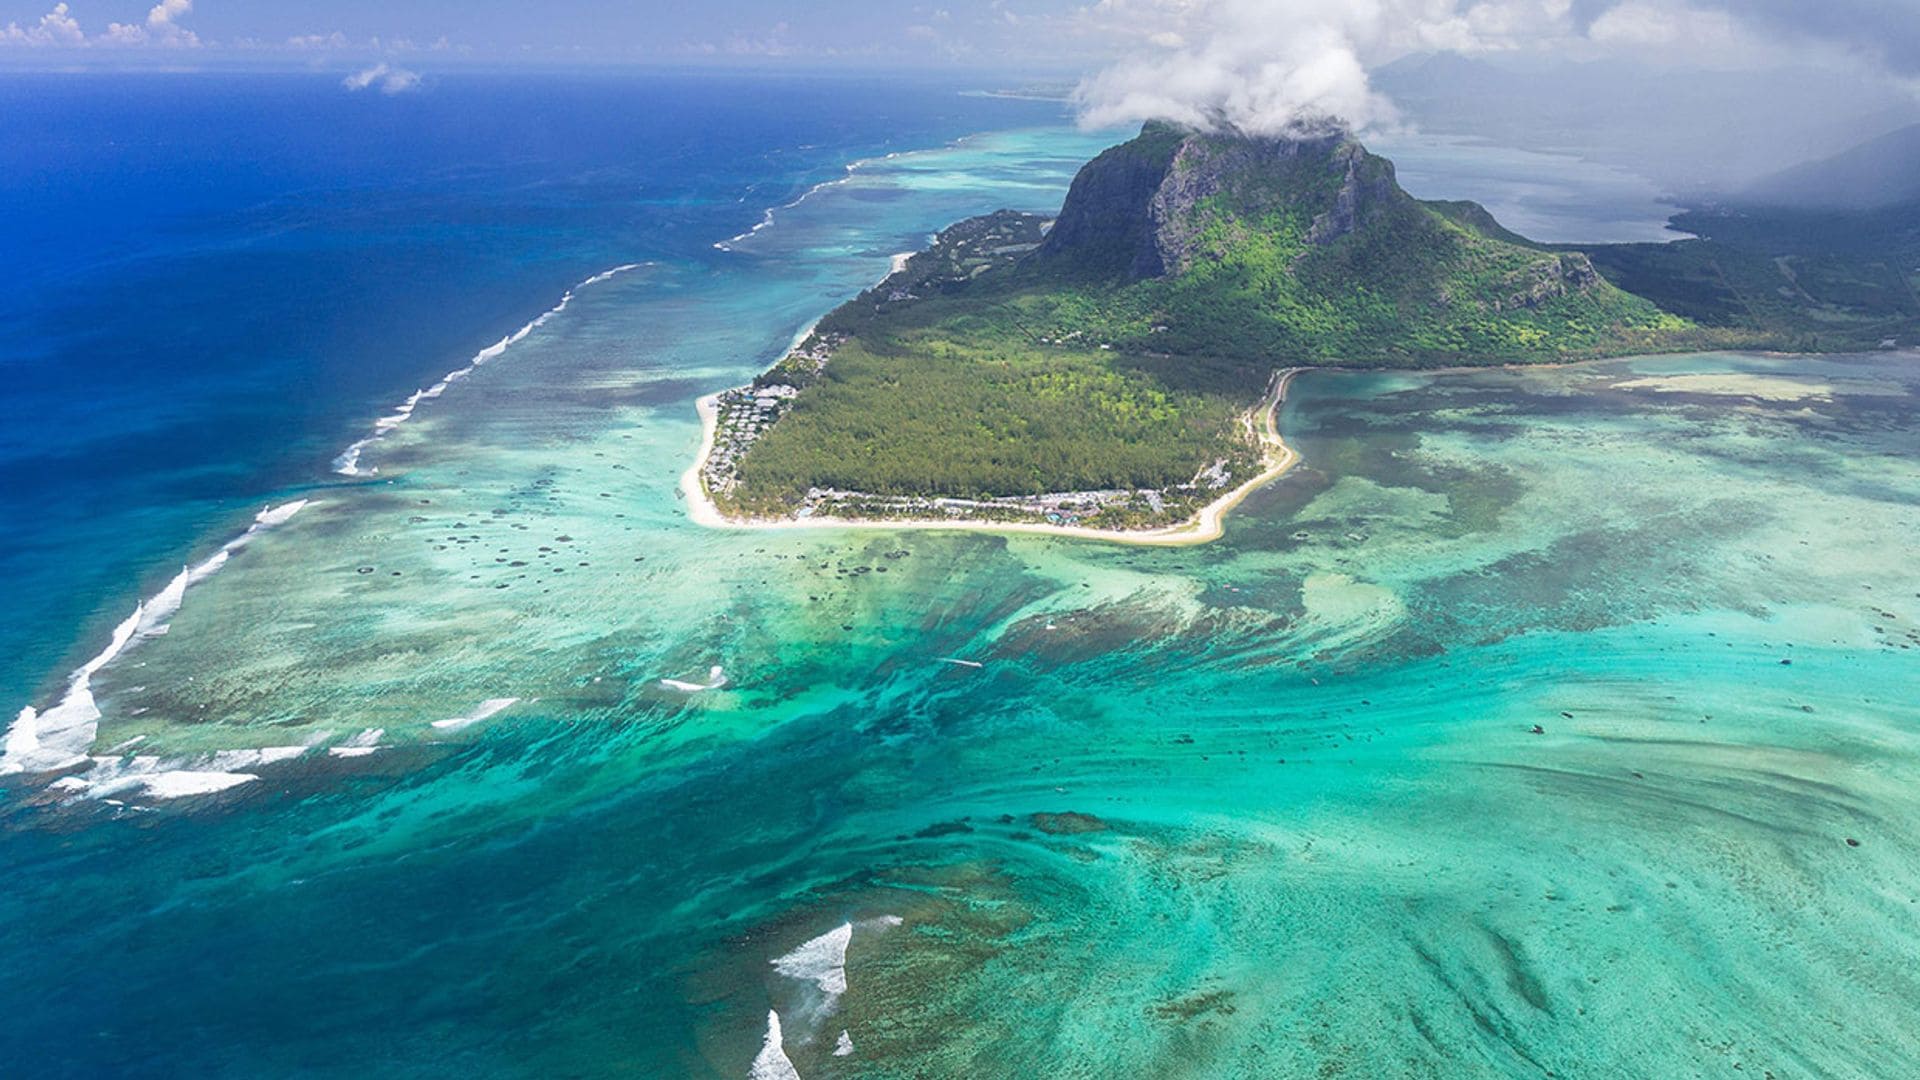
1697, 98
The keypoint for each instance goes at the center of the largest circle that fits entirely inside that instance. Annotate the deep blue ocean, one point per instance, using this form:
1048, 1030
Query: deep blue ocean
214, 282
1540, 722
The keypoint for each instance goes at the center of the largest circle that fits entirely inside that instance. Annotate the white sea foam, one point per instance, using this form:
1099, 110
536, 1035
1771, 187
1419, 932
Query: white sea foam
771, 1062
359, 745
180, 783
176, 778
820, 965
59, 737
348, 462
276, 515
767, 216
716, 678
766, 219
160, 778
821, 961
487, 708
229, 760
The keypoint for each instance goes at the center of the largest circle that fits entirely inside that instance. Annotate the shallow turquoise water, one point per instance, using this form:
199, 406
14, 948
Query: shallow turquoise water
1272, 806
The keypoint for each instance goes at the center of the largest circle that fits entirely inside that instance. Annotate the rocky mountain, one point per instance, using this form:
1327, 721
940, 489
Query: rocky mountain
1142, 204
1307, 245
1101, 368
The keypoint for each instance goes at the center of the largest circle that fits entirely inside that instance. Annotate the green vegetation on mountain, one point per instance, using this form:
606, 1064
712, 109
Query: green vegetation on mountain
1115, 347
1795, 280
1306, 251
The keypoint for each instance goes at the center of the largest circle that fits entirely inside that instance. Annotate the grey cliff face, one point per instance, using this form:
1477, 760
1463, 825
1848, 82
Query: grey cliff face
1357, 194
1205, 167
1104, 223
1550, 279
1137, 213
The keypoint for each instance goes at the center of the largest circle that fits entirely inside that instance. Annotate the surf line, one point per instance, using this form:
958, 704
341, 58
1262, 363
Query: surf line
852, 168
348, 461
766, 216
60, 737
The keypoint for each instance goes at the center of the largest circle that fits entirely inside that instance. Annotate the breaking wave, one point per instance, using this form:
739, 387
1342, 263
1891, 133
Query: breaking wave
488, 708
59, 737
771, 1062
821, 961
767, 216
348, 461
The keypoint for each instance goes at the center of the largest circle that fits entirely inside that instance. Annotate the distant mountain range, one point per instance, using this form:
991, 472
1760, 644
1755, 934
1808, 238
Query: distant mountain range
1876, 174
1693, 132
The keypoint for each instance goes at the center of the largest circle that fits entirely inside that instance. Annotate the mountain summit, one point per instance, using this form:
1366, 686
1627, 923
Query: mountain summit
1137, 205
1308, 246
1118, 363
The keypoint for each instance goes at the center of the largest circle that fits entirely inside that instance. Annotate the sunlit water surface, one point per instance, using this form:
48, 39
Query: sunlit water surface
1529, 728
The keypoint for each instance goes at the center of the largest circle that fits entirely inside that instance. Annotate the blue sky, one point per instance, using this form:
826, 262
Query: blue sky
1260, 64
1883, 35
760, 32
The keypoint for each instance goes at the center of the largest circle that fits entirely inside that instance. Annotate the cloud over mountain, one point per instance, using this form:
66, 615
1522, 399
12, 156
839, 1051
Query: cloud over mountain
1270, 66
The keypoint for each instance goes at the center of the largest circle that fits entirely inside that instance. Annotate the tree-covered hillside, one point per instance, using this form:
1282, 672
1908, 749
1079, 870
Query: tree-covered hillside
1308, 250
1116, 348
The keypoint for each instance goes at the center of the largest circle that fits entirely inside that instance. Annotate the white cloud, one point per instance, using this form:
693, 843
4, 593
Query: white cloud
386, 77
1699, 34
1659, 24
335, 40
160, 28
166, 11
56, 27
1270, 66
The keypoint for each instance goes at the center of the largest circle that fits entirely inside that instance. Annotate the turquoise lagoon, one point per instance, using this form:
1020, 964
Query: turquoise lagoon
1546, 722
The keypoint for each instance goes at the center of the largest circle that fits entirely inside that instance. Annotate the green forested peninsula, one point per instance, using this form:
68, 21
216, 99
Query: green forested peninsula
1115, 350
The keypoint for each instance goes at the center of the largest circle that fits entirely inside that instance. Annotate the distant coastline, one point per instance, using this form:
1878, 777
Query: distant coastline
1207, 525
